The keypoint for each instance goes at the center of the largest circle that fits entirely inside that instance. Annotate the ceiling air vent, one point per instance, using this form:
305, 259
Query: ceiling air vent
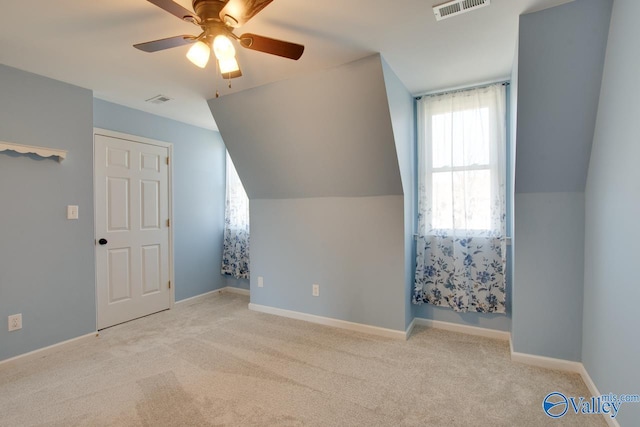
457, 7
159, 99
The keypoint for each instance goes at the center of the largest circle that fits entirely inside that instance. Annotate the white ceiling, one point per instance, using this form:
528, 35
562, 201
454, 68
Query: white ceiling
89, 44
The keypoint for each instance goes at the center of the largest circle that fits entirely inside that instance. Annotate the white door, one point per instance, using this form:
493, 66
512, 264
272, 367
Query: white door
132, 229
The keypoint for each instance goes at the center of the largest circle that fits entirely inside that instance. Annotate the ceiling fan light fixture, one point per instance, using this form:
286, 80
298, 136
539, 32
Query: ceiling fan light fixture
199, 54
223, 48
218, 19
228, 65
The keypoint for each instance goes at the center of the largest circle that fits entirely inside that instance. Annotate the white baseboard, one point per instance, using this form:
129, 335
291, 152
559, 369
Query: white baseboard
239, 291
328, 321
215, 291
409, 330
227, 289
562, 365
463, 329
547, 362
42, 352
611, 422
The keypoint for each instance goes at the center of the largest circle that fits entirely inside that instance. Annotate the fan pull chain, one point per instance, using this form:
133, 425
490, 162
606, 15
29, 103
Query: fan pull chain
219, 74
216, 79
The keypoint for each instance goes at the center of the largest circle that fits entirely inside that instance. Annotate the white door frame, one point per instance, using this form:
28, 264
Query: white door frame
141, 140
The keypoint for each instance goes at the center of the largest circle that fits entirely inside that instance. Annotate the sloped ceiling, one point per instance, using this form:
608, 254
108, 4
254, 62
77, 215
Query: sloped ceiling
560, 62
328, 134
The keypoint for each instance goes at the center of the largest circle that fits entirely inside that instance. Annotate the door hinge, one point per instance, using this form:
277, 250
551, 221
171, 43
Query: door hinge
169, 284
168, 223
167, 160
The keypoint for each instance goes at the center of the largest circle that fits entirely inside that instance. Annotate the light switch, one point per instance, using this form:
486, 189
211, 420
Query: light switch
72, 212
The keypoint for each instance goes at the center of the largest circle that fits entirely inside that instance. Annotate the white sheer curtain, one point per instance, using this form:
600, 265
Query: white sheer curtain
461, 197
235, 253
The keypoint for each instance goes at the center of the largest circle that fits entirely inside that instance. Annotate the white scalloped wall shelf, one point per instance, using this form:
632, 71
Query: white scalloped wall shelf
28, 149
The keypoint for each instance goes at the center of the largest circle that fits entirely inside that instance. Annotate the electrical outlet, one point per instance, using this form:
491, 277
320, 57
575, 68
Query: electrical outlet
315, 290
15, 322
260, 281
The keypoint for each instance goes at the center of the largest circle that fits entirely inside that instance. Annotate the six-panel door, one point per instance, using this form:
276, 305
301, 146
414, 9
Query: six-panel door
132, 212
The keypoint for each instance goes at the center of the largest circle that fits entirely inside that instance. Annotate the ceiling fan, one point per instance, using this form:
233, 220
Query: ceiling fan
218, 19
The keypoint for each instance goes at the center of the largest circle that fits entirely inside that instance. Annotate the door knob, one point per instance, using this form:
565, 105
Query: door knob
103, 241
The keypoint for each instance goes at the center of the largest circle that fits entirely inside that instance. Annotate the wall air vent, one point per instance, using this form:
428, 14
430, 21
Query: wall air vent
159, 99
457, 7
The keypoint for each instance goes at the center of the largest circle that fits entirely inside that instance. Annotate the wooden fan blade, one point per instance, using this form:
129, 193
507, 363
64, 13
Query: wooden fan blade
272, 46
174, 9
238, 12
167, 43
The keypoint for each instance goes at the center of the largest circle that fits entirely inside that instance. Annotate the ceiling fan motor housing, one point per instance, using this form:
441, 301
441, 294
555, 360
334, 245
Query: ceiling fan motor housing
208, 10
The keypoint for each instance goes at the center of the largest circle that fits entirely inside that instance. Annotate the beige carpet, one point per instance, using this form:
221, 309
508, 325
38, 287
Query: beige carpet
212, 362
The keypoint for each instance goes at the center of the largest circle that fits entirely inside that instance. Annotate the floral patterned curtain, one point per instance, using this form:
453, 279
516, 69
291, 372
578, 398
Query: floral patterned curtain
461, 245
235, 252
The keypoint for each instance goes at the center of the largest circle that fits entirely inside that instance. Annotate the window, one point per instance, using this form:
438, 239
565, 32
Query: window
237, 203
460, 170
235, 251
461, 245
463, 154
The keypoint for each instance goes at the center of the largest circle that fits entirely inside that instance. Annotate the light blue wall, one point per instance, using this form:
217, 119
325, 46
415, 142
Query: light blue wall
547, 295
611, 348
198, 192
401, 109
560, 57
46, 261
353, 247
